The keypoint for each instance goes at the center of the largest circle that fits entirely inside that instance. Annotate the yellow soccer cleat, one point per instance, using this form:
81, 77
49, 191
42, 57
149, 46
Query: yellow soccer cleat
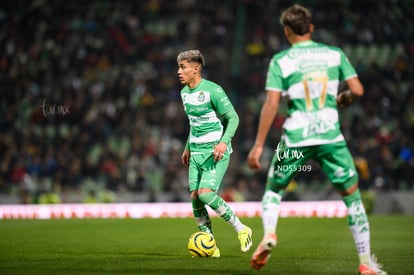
216, 253
245, 238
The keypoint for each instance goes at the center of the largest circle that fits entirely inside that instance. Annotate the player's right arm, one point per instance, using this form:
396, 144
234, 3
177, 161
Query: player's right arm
185, 156
267, 115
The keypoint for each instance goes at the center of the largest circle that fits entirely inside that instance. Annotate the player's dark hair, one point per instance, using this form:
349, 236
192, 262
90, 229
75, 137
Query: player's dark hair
297, 18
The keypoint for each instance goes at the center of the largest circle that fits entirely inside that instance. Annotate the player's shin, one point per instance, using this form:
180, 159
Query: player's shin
270, 210
222, 209
359, 225
201, 216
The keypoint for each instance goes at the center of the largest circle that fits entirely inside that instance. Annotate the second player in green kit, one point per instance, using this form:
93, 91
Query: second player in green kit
307, 76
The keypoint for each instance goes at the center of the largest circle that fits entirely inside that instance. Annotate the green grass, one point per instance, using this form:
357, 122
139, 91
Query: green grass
158, 246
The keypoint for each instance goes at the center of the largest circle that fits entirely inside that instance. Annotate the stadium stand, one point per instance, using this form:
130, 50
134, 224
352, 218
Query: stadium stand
90, 107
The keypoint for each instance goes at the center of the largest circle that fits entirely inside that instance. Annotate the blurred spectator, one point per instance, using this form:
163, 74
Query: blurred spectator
49, 197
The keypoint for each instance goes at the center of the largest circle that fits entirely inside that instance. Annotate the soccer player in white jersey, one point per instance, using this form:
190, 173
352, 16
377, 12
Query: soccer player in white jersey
307, 76
213, 123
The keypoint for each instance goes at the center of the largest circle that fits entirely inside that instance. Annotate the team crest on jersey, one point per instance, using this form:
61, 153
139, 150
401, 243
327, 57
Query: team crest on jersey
201, 97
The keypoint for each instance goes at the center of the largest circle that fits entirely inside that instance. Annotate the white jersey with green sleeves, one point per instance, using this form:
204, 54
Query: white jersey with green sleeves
308, 75
204, 105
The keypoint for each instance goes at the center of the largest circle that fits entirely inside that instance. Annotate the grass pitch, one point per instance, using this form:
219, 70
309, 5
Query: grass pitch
158, 246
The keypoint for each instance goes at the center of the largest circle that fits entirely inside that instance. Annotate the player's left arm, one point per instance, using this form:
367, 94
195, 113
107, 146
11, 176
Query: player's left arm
355, 87
232, 122
229, 117
355, 90
185, 156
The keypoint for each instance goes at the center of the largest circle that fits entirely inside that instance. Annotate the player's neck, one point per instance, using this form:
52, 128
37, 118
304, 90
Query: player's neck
299, 38
194, 83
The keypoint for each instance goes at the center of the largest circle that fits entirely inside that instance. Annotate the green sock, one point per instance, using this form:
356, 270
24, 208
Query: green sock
222, 209
359, 225
201, 216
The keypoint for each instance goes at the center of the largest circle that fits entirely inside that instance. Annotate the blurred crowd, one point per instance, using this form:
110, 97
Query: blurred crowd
90, 107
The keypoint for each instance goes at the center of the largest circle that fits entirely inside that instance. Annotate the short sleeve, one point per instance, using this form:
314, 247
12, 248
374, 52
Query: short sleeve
274, 79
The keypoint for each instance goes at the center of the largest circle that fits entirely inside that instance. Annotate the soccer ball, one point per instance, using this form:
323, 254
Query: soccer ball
201, 244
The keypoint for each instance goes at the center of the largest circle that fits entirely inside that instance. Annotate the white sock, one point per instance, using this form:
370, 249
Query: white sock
270, 211
224, 211
237, 224
359, 226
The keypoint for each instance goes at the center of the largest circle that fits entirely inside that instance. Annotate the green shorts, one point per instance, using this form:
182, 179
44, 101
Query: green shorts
335, 160
204, 172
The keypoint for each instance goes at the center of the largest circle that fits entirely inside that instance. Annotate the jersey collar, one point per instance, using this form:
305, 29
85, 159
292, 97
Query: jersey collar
303, 44
198, 85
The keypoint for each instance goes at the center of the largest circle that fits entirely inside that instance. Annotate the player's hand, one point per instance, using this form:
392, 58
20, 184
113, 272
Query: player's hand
185, 157
219, 150
253, 159
344, 99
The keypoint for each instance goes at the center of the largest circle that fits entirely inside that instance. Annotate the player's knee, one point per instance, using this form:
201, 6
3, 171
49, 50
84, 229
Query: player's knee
354, 196
203, 191
194, 194
206, 195
351, 189
276, 186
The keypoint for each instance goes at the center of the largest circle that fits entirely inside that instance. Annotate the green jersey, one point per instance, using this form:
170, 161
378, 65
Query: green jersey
204, 106
308, 75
